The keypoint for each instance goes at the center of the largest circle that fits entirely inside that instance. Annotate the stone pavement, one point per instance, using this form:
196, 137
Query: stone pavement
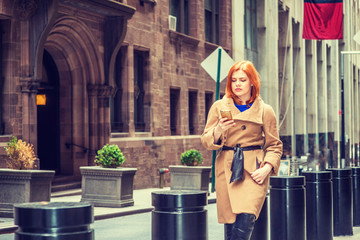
142, 203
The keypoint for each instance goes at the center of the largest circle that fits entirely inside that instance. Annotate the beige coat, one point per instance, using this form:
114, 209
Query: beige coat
255, 126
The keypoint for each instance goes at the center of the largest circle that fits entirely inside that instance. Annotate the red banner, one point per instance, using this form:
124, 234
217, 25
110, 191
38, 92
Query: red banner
323, 19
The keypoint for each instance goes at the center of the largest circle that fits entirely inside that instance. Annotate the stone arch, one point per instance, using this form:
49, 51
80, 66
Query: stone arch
79, 63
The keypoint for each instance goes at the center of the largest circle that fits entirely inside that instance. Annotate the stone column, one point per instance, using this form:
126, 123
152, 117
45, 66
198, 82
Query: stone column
333, 103
130, 90
24, 10
29, 88
286, 119
268, 51
99, 117
238, 40
322, 103
300, 94
312, 99
94, 114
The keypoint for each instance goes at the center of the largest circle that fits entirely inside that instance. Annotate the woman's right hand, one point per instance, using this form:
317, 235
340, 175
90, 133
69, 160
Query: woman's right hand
223, 125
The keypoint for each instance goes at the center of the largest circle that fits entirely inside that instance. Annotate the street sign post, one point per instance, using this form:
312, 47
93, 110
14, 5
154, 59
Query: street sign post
217, 65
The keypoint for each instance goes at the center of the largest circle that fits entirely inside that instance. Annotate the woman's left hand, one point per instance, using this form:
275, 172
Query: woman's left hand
260, 174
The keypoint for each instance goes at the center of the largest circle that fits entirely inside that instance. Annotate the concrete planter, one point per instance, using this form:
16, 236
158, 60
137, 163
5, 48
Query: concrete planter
108, 187
22, 186
189, 177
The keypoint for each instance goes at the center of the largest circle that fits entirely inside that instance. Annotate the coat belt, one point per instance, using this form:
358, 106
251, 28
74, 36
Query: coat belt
237, 166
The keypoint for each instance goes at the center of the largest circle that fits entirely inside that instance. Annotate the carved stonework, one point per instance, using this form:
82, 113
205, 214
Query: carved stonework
108, 187
21, 186
28, 85
101, 90
25, 8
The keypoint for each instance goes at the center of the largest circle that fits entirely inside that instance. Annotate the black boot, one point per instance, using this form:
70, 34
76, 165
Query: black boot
228, 228
243, 226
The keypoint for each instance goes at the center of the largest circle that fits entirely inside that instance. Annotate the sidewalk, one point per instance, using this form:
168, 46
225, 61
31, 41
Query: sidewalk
142, 203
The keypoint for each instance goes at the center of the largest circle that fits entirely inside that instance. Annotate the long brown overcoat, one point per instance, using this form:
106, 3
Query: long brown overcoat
253, 127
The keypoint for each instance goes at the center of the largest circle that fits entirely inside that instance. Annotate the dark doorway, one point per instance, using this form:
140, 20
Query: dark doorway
48, 116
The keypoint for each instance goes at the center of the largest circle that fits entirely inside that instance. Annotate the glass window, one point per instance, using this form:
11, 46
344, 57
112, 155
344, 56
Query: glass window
192, 111
180, 10
250, 25
208, 102
212, 21
118, 110
141, 106
174, 110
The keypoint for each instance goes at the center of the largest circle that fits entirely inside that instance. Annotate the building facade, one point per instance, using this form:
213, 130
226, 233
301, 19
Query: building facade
128, 73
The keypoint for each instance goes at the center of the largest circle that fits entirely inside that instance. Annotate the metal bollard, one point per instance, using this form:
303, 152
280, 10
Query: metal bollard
179, 215
54, 221
287, 208
342, 199
162, 172
319, 205
356, 195
261, 231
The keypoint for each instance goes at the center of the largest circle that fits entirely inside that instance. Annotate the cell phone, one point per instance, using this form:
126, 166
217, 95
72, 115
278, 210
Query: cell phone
226, 113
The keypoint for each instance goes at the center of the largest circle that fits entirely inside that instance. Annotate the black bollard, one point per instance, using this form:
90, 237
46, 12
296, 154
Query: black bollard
342, 200
54, 221
319, 205
356, 195
179, 215
261, 231
287, 208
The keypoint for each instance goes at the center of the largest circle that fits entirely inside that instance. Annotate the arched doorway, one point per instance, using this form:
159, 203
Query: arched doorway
48, 116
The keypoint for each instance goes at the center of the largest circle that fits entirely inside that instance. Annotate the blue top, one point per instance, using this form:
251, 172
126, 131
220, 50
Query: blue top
243, 107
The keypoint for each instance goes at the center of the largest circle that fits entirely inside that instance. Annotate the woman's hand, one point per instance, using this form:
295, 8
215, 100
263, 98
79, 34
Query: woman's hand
260, 174
223, 125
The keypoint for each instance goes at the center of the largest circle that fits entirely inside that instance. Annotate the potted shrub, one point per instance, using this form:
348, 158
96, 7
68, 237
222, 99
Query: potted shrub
191, 176
20, 182
191, 157
108, 184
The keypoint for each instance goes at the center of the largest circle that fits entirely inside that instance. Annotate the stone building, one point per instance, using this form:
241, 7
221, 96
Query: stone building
301, 79
145, 92
56, 76
122, 72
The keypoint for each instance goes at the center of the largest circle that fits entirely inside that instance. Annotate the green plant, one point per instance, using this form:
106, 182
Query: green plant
191, 157
20, 154
110, 156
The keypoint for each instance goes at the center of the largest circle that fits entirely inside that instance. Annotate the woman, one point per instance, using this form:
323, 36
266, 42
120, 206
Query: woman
250, 150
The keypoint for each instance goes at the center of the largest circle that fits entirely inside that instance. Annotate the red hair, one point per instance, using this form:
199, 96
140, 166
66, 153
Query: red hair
253, 76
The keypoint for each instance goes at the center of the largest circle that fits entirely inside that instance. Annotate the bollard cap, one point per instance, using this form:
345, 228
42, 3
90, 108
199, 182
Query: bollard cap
53, 214
287, 181
317, 176
178, 199
340, 172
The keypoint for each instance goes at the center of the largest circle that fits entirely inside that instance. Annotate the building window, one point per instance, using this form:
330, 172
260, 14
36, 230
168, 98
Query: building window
141, 93
250, 24
212, 21
180, 10
208, 102
118, 104
174, 110
192, 112
250, 31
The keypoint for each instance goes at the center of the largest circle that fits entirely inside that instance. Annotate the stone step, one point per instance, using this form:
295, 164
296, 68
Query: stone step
65, 186
64, 183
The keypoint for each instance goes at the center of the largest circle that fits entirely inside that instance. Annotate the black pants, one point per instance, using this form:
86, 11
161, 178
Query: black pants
241, 229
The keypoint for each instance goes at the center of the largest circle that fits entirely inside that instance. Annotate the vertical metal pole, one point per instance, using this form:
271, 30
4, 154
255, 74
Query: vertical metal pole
217, 96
